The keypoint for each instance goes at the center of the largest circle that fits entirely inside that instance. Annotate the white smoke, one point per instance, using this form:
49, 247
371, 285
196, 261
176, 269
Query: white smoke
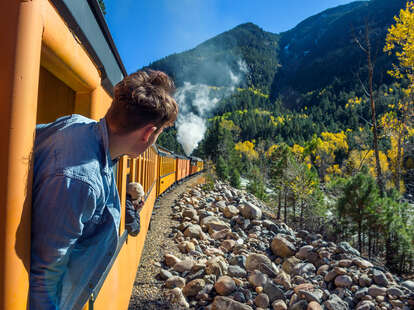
191, 129
196, 102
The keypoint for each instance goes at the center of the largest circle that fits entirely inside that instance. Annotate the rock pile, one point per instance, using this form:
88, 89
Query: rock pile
236, 257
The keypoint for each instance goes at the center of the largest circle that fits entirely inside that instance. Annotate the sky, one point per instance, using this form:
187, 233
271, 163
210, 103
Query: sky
147, 30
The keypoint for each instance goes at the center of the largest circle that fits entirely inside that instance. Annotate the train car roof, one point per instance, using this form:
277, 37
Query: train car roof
86, 21
163, 149
181, 156
166, 154
195, 158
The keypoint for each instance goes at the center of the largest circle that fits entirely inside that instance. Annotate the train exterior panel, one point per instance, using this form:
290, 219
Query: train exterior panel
181, 168
199, 166
58, 58
167, 171
120, 278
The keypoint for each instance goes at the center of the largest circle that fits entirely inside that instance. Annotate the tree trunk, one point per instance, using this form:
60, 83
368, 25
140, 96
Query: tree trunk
301, 215
360, 236
285, 206
373, 113
398, 163
294, 211
369, 244
279, 205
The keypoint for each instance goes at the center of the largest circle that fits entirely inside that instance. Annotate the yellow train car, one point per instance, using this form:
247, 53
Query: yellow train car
196, 165
183, 164
58, 58
166, 171
200, 165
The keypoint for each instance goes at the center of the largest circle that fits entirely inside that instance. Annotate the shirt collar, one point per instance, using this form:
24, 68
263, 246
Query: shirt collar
104, 137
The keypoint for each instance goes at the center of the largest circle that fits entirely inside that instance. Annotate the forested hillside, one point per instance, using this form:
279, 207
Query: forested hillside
318, 119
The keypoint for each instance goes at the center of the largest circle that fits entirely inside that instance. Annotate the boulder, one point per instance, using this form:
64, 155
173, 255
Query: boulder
221, 234
312, 296
364, 280
171, 260
222, 302
379, 277
336, 303
282, 247
257, 278
304, 252
214, 224
375, 291
193, 287
230, 211
313, 305
283, 279
193, 231
236, 271
299, 305
289, 263
362, 263
190, 213
175, 281
366, 305
343, 281
262, 301
228, 244
225, 285
279, 305
260, 262
345, 247
184, 265
177, 298
302, 269
165, 274
273, 291
250, 211
408, 284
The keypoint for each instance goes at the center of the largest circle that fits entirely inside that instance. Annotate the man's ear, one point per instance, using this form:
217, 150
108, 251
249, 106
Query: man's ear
148, 131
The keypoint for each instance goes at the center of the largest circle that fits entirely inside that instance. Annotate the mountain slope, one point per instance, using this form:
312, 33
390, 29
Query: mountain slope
209, 62
323, 47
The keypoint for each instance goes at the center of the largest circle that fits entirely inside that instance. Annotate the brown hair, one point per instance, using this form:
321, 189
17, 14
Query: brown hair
142, 98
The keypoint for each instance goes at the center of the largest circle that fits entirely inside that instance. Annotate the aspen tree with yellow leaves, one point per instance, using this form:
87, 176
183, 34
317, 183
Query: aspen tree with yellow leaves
397, 122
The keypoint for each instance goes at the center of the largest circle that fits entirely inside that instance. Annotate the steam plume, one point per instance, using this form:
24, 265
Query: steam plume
197, 102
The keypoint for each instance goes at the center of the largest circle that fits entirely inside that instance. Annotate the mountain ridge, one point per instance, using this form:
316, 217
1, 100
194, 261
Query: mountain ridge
290, 60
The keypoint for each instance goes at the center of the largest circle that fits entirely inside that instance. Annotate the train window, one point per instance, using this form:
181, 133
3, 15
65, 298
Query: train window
55, 98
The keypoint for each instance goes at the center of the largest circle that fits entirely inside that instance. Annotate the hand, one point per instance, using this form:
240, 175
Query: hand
138, 204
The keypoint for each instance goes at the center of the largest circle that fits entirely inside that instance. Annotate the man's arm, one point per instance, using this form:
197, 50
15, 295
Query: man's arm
61, 207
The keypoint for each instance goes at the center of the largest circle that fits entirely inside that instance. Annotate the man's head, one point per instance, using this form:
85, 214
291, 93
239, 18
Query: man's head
142, 107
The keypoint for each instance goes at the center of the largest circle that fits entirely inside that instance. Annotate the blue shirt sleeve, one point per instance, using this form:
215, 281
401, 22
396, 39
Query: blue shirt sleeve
61, 207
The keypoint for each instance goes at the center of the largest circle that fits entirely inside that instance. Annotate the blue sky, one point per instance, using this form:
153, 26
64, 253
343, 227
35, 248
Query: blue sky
147, 30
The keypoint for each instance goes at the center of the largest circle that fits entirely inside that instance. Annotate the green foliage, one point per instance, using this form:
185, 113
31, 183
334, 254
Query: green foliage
222, 169
102, 6
168, 139
235, 178
397, 230
358, 201
256, 183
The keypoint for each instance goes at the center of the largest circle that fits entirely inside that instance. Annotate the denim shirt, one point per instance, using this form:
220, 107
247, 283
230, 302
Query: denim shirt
75, 212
